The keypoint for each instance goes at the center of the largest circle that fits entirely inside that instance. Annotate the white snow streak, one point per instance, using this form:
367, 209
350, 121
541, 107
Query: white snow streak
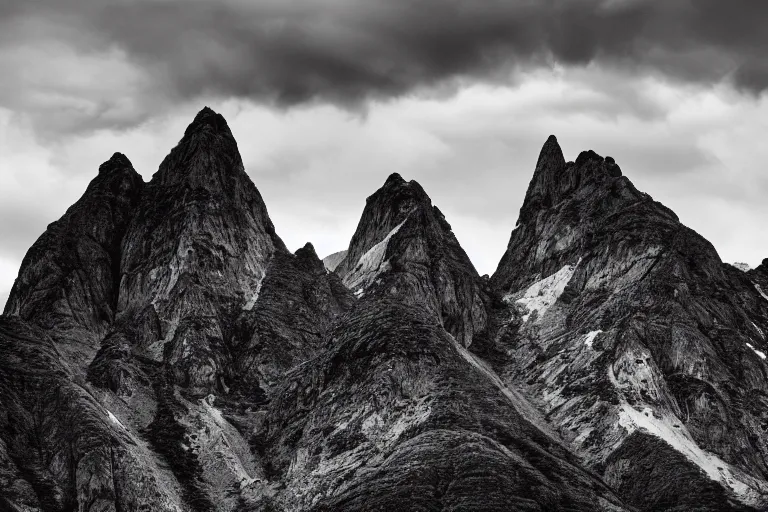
116, 421
760, 291
371, 263
589, 338
679, 438
758, 352
542, 294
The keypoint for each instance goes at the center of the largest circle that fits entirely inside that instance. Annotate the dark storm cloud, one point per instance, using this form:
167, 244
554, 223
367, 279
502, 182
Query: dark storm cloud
346, 51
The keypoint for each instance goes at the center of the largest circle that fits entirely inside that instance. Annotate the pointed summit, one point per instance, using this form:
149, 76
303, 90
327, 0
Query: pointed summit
549, 169
206, 158
601, 272
404, 248
68, 278
208, 120
554, 180
203, 231
308, 251
116, 162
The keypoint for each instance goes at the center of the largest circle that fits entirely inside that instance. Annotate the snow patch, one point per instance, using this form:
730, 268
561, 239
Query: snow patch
116, 421
678, 437
760, 291
542, 294
760, 353
741, 266
762, 334
589, 338
371, 263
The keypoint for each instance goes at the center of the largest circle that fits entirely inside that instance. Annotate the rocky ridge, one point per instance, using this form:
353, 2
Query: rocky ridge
628, 331
165, 351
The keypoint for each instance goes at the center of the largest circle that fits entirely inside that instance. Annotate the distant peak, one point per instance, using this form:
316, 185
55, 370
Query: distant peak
206, 111
586, 156
207, 119
549, 168
308, 251
551, 155
394, 178
117, 161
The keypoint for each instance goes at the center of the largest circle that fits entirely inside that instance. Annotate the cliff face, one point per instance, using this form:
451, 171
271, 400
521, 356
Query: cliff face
163, 350
628, 331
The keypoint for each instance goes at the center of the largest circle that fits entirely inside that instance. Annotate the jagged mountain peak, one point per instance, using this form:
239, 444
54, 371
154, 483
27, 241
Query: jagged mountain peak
654, 326
394, 178
386, 210
67, 281
117, 161
405, 249
206, 157
308, 251
208, 120
555, 179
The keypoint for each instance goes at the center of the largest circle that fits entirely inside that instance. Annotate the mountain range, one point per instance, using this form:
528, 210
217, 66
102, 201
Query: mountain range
162, 350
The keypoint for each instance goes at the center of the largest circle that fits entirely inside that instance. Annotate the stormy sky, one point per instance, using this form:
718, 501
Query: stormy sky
328, 97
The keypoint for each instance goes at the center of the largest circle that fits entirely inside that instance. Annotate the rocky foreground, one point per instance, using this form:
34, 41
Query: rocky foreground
162, 350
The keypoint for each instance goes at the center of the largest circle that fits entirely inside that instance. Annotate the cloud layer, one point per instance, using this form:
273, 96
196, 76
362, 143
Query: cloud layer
92, 64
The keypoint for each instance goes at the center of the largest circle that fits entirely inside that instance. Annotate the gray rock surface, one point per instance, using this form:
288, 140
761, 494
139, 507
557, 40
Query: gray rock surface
332, 260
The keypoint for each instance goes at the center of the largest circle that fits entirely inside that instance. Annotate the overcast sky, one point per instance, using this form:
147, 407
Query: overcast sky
328, 97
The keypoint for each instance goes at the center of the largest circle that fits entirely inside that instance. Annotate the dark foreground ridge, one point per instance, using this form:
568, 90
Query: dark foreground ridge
164, 351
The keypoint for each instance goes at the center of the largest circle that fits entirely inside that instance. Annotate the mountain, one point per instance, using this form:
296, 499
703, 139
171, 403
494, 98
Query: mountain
332, 260
639, 345
163, 350
404, 248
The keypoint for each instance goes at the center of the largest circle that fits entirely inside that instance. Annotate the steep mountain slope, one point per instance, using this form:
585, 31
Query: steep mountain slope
61, 448
332, 260
637, 342
393, 416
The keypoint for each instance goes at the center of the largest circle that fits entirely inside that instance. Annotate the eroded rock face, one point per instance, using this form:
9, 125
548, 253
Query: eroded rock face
61, 449
626, 329
332, 260
189, 310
